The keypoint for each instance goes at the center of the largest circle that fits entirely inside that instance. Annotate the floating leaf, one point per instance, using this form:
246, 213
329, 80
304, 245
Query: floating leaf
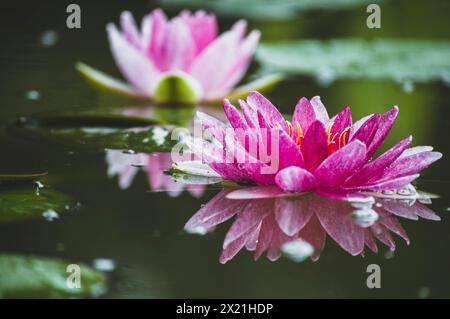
38, 277
32, 201
13, 178
104, 129
265, 9
404, 61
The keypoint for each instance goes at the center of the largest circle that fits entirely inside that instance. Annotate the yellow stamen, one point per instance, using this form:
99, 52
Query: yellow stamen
328, 130
289, 128
299, 138
343, 137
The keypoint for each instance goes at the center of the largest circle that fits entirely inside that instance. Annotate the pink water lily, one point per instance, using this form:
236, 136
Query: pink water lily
268, 224
330, 156
182, 59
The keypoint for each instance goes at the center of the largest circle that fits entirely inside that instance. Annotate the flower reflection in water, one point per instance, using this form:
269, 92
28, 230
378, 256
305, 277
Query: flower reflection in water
294, 224
126, 166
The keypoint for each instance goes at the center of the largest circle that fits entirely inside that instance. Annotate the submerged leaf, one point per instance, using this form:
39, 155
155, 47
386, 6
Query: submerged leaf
38, 277
404, 61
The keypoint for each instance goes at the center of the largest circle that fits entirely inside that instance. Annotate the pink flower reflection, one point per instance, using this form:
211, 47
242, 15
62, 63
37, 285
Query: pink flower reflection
126, 166
266, 224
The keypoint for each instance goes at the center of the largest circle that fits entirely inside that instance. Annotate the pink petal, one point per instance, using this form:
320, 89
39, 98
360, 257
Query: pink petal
214, 63
292, 215
216, 211
390, 184
375, 167
215, 127
203, 28
295, 179
249, 113
416, 150
367, 131
344, 195
250, 217
334, 218
383, 235
342, 120
304, 115
234, 247
196, 191
246, 50
338, 166
129, 29
135, 67
265, 235
409, 165
385, 124
369, 240
289, 153
314, 233
314, 146
257, 192
156, 26
217, 159
270, 113
392, 224
233, 115
178, 49
319, 109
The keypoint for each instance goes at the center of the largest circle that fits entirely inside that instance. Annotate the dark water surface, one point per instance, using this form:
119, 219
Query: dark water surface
142, 231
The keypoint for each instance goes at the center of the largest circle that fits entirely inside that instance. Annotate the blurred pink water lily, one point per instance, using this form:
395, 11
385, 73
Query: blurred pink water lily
181, 60
126, 167
298, 226
313, 152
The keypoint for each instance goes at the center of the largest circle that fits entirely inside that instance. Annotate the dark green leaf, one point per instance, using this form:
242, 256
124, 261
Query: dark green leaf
265, 9
398, 60
32, 201
37, 277
13, 178
97, 130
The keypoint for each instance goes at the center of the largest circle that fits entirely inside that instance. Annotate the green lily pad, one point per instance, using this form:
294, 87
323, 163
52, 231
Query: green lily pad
265, 9
38, 277
32, 201
174, 88
100, 130
13, 178
404, 61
